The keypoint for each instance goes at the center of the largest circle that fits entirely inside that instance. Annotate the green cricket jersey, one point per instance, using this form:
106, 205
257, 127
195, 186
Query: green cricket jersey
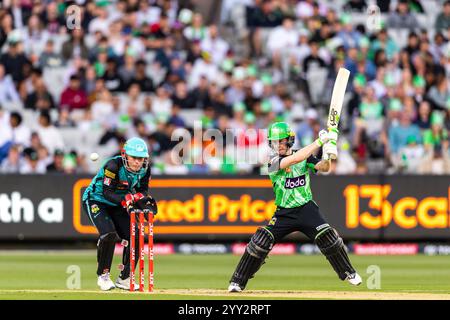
291, 185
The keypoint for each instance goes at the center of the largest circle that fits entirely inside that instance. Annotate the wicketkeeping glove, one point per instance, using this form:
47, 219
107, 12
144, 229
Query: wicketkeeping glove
147, 203
130, 199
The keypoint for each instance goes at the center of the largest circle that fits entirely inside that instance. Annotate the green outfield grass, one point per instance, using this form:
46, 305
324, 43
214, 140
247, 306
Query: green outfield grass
43, 275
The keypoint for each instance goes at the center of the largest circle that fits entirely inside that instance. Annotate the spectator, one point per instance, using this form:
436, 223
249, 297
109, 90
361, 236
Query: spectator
345, 164
52, 19
161, 103
447, 117
102, 107
159, 31
402, 18
305, 129
313, 60
236, 91
113, 81
398, 134
139, 129
182, 97
51, 138
6, 136
148, 14
32, 165
305, 9
19, 13
369, 124
57, 166
436, 142
282, 38
100, 22
64, 120
134, 100
439, 93
175, 118
8, 92
196, 31
75, 46
14, 60
20, 132
443, 19
348, 35
194, 53
215, 44
34, 38
141, 77
13, 162
383, 41
355, 5
44, 156
73, 97
265, 15
164, 54
203, 67
177, 70
128, 69
419, 89
359, 83
40, 99
411, 157
424, 116
6, 28
49, 58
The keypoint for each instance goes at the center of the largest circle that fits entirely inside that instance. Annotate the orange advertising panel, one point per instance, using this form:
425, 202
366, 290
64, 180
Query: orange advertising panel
201, 212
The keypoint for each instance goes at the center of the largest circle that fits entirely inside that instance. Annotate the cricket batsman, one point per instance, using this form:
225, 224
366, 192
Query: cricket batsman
119, 186
296, 210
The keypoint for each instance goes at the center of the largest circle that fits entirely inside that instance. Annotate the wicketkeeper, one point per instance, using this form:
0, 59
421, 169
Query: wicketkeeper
119, 186
296, 210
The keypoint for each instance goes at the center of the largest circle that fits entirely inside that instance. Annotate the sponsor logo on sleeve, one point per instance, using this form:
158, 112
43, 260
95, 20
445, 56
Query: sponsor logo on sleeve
107, 181
110, 174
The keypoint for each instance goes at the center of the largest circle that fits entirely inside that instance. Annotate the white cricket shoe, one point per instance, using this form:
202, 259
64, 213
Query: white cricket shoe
125, 284
354, 279
234, 287
105, 283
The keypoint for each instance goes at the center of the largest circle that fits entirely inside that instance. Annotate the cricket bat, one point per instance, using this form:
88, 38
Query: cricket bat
337, 99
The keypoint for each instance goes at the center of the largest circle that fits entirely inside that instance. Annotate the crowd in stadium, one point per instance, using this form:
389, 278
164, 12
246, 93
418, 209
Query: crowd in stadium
147, 67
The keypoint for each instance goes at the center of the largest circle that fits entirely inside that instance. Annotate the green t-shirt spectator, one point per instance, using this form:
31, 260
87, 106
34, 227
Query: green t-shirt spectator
372, 110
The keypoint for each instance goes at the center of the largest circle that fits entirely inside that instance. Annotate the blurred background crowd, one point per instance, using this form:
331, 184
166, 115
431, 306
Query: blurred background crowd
78, 81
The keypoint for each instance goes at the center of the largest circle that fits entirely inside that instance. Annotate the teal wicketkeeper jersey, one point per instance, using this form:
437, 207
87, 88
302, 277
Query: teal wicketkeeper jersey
114, 181
291, 185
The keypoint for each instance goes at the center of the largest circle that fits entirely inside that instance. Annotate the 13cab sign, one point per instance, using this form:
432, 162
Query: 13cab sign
407, 212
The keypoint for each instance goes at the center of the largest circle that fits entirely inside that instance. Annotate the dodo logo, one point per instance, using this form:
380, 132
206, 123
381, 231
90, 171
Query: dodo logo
295, 182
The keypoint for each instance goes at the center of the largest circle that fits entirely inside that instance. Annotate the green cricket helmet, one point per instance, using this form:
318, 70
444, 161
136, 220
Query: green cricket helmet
135, 147
279, 131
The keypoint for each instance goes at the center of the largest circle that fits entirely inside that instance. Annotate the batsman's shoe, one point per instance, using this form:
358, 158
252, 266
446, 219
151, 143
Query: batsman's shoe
354, 279
105, 283
125, 284
234, 287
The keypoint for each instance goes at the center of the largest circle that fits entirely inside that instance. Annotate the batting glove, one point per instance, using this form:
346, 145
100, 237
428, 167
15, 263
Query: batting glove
324, 137
333, 133
329, 150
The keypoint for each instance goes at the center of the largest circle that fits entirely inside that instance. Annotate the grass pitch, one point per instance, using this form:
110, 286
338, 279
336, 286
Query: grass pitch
51, 275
